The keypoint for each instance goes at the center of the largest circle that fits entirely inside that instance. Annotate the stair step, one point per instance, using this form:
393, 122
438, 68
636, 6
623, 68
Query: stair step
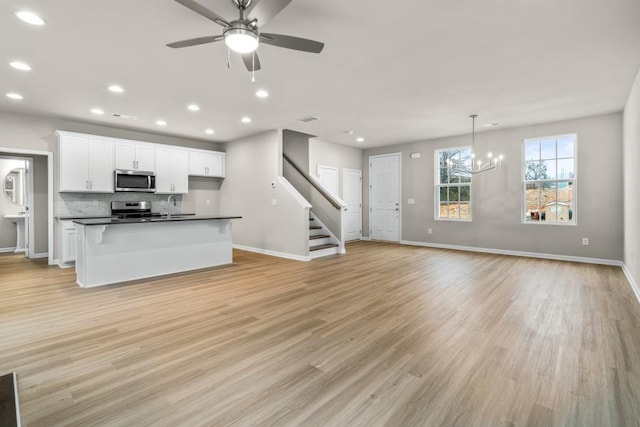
319, 236
315, 227
325, 246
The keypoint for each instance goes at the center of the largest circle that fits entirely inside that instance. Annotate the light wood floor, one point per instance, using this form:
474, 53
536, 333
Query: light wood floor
386, 335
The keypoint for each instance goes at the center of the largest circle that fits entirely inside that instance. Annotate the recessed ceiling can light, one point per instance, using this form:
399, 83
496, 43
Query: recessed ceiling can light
209, 131
161, 123
262, 93
116, 89
30, 17
245, 120
193, 107
15, 96
97, 111
19, 65
359, 139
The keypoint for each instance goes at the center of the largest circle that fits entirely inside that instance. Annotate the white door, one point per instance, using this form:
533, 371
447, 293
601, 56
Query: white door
328, 178
384, 197
352, 197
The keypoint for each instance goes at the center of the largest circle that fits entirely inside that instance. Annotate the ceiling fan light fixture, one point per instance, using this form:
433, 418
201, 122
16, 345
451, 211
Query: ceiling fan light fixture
241, 40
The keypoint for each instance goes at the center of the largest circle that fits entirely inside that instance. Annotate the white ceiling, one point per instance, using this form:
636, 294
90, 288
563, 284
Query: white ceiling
392, 71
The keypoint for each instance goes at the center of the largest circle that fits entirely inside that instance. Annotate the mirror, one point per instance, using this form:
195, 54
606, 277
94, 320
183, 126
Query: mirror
13, 186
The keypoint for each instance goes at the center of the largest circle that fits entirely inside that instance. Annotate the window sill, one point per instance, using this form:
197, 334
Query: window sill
454, 220
562, 224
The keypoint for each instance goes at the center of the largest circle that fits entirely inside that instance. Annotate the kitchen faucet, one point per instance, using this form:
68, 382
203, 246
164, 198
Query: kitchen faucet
171, 197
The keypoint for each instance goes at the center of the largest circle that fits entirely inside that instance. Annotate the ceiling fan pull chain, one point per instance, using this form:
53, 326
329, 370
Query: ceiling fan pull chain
228, 58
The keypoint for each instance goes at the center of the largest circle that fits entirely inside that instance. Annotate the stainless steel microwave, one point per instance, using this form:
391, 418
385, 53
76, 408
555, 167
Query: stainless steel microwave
134, 181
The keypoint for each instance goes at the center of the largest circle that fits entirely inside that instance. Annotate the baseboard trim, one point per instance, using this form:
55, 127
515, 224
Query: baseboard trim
634, 285
272, 253
365, 238
516, 253
7, 250
41, 255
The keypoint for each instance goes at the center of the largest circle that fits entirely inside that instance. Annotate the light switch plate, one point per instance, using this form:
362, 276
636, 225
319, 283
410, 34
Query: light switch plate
411, 201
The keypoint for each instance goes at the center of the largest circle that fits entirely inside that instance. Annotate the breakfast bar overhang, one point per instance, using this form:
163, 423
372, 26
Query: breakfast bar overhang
113, 250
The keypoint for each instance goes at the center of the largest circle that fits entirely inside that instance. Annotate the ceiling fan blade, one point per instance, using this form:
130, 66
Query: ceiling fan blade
251, 61
264, 10
207, 13
291, 42
196, 41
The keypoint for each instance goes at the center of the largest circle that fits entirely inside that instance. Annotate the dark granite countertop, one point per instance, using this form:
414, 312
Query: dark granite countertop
164, 218
82, 217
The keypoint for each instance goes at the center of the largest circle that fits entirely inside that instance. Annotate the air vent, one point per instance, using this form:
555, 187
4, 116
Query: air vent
308, 119
123, 116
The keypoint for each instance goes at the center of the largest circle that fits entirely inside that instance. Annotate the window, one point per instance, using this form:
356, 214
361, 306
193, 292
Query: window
453, 184
549, 180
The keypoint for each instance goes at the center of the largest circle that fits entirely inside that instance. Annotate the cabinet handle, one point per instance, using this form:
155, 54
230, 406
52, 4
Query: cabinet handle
206, 171
86, 184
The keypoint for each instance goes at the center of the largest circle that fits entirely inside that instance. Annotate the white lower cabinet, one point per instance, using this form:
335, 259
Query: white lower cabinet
66, 243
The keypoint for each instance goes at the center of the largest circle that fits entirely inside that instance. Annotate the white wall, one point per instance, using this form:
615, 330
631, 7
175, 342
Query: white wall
497, 195
631, 158
253, 163
329, 154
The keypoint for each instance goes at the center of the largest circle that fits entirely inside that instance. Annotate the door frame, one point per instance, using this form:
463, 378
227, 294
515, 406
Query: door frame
399, 155
49, 154
344, 171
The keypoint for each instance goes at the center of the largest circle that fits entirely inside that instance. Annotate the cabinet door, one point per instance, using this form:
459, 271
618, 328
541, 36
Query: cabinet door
73, 167
172, 171
145, 158
196, 163
215, 164
66, 242
100, 166
125, 155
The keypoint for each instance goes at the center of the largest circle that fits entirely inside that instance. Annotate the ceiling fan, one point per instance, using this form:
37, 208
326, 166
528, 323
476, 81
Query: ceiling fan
242, 35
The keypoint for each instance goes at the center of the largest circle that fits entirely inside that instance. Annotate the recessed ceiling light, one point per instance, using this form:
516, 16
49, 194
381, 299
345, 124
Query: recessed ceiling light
30, 17
161, 123
245, 120
97, 111
209, 131
14, 95
262, 93
116, 89
193, 107
22, 66
359, 139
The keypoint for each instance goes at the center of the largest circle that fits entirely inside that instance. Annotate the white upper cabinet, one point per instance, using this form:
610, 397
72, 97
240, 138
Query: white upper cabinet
172, 170
86, 164
206, 163
135, 156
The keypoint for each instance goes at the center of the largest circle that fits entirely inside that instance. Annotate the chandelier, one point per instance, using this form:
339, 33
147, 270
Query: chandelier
476, 165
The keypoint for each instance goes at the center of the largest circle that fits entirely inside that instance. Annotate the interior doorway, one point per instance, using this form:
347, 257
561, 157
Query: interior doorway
38, 218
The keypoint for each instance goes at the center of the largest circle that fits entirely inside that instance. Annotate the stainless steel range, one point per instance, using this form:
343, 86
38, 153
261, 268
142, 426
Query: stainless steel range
125, 210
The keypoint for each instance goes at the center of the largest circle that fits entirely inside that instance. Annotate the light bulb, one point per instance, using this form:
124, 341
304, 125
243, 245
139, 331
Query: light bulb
490, 155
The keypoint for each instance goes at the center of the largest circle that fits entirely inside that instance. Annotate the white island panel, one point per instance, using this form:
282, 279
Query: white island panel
116, 253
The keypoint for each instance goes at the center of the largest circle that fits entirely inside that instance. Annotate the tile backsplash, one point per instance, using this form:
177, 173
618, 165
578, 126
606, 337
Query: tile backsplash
95, 204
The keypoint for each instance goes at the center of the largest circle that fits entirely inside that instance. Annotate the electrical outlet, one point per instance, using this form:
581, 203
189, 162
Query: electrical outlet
585, 241
429, 231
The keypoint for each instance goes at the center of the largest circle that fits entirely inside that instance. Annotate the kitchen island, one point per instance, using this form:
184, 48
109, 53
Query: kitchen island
114, 250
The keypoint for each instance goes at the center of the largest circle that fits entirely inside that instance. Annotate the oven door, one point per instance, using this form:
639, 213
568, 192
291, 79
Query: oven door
135, 181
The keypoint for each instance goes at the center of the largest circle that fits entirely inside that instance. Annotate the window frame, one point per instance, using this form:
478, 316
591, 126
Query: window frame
574, 180
438, 185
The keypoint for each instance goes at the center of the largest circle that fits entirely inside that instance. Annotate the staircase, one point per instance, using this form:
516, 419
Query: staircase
321, 242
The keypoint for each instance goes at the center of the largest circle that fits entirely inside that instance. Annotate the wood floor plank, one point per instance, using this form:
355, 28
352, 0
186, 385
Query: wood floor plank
385, 335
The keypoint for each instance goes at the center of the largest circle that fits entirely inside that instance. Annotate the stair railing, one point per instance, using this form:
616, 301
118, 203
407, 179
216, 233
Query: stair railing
335, 222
